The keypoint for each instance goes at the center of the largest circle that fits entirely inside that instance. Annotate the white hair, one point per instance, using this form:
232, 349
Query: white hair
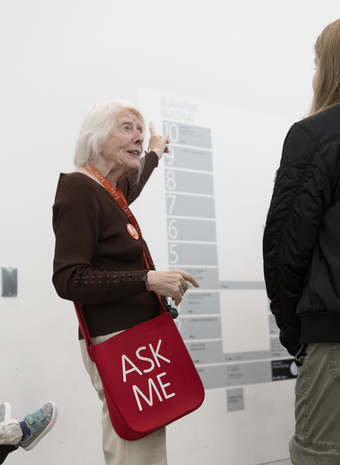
96, 127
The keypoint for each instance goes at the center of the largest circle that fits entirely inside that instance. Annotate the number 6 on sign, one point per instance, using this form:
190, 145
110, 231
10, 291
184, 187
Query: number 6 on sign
173, 232
174, 254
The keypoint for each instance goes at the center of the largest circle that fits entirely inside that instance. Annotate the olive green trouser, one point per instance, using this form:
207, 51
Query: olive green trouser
317, 406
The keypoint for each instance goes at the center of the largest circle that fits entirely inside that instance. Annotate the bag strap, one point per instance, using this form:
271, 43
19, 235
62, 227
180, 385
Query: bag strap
84, 330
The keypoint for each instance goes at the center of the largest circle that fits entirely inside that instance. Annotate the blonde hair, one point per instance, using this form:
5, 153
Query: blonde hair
327, 85
96, 127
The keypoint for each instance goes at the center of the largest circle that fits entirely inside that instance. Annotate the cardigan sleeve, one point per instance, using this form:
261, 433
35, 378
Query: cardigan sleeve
301, 194
77, 221
130, 187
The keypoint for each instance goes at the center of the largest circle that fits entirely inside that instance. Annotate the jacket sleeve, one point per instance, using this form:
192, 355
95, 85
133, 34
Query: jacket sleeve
130, 187
301, 194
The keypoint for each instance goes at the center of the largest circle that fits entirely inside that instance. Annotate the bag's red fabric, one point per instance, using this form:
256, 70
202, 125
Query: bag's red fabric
148, 377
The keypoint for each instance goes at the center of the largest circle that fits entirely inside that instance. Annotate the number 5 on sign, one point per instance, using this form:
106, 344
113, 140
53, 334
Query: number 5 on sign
173, 254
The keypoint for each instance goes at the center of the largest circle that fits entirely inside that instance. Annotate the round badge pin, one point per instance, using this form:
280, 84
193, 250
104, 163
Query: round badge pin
132, 231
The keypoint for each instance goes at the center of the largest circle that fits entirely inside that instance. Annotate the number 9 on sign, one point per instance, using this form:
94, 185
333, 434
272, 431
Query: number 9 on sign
169, 157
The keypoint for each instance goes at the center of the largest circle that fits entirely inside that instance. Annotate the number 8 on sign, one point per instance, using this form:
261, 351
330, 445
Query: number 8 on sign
170, 180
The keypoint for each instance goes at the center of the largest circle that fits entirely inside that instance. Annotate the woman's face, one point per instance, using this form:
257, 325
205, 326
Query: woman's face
123, 148
315, 77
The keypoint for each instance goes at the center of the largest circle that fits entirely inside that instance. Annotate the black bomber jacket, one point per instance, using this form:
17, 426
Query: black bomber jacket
301, 244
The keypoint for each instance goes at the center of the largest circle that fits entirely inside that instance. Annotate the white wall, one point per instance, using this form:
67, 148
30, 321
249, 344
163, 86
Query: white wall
57, 58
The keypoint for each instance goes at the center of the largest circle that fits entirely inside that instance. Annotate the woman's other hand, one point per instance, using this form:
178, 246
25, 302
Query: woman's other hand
172, 283
157, 143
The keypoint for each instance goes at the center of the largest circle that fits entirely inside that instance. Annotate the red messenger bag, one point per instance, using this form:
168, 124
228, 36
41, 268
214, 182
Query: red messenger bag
148, 376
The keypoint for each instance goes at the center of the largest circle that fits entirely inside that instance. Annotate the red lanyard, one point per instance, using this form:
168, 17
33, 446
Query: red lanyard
118, 196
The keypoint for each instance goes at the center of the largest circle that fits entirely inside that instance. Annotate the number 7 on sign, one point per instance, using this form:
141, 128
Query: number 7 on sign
172, 198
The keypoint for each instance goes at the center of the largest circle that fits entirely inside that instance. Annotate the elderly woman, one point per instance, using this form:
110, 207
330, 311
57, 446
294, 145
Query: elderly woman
99, 259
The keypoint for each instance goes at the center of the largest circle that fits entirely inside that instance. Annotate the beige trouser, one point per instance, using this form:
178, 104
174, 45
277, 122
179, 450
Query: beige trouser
10, 433
150, 450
